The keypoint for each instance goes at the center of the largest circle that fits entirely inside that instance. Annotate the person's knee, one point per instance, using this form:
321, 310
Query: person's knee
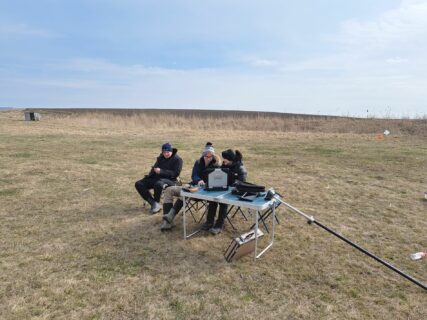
158, 188
159, 185
139, 184
175, 190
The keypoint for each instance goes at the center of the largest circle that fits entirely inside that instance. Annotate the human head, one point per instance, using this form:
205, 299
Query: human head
229, 156
167, 150
209, 149
208, 152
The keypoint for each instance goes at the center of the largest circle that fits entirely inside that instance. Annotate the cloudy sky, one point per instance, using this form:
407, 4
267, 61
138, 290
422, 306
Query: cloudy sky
353, 57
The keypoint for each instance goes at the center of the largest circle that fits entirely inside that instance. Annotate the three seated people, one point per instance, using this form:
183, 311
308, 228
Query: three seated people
164, 174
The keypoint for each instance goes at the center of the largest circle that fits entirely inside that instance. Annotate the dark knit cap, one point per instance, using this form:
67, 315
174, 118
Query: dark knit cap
167, 147
229, 155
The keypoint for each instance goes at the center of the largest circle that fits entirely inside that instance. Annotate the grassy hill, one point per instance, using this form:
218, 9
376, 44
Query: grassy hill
77, 243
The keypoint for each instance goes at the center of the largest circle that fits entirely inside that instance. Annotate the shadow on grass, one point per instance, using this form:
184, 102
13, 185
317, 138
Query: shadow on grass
133, 244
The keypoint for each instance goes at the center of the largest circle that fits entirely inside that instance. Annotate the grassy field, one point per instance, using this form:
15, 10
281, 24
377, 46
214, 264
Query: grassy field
76, 242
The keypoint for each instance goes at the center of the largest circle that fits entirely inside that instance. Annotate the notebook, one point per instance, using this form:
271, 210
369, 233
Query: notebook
217, 180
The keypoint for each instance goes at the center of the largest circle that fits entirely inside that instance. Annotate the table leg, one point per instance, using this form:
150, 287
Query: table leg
256, 234
184, 208
274, 221
273, 215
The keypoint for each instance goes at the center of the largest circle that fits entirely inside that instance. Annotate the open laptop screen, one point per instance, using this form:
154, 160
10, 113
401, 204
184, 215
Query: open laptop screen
217, 179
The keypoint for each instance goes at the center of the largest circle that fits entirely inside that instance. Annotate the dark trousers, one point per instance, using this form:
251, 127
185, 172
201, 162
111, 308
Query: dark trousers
212, 206
144, 185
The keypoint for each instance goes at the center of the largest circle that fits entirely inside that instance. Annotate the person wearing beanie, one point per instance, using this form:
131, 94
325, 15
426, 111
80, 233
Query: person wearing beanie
198, 178
208, 149
164, 172
167, 147
236, 171
208, 160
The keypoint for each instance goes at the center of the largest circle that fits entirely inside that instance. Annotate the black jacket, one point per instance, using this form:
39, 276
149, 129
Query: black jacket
237, 171
199, 170
169, 168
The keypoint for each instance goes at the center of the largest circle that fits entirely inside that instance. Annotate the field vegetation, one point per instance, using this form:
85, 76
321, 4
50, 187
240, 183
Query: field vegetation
77, 243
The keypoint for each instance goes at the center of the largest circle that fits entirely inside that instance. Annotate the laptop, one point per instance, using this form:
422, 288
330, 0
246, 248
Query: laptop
217, 180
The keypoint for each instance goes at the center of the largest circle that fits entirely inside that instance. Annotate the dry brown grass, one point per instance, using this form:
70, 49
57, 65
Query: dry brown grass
76, 243
236, 120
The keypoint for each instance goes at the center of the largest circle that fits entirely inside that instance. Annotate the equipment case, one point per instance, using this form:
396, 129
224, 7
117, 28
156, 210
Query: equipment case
241, 246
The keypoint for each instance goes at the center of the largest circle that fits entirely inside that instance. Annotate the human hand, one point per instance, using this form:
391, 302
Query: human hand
156, 170
201, 183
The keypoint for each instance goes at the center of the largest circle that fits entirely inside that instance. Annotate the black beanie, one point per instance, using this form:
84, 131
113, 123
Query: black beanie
229, 155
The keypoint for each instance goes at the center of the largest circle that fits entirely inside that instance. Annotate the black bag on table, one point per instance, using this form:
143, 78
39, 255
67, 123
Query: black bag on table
241, 188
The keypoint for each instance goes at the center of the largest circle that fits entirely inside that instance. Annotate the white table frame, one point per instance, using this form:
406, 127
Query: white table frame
226, 197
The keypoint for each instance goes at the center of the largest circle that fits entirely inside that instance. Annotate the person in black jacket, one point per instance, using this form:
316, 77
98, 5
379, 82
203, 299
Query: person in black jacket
165, 171
236, 171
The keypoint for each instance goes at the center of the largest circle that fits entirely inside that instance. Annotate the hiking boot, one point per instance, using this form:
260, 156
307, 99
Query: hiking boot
155, 207
216, 230
166, 207
206, 226
169, 216
165, 226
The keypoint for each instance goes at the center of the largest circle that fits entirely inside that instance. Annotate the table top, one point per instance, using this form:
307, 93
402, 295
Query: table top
227, 197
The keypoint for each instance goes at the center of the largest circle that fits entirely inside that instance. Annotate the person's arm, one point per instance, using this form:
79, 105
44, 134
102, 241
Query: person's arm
155, 165
242, 173
195, 178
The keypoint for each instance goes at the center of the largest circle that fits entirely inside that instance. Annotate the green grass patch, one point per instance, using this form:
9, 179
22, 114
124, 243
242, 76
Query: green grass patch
8, 192
323, 151
24, 155
88, 161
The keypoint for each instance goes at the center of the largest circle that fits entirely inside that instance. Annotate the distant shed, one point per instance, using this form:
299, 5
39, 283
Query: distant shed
32, 116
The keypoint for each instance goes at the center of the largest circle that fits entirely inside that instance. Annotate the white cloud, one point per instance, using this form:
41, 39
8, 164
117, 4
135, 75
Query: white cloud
258, 62
397, 38
397, 60
220, 89
23, 29
105, 70
406, 25
336, 61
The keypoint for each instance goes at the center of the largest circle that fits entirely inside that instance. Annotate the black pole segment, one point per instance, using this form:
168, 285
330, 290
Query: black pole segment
388, 265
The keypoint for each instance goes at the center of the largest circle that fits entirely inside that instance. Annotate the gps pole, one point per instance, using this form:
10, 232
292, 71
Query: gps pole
311, 220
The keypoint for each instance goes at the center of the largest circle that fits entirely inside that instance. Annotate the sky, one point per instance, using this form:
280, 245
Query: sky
331, 57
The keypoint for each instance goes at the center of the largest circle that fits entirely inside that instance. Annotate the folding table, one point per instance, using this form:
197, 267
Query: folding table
259, 205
